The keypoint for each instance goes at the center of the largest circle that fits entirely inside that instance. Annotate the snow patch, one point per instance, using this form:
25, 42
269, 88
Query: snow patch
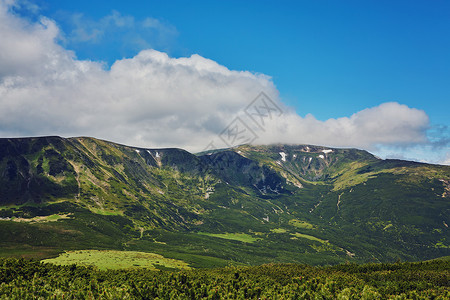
137, 150
283, 156
310, 159
321, 156
294, 156
327, 151
156, 154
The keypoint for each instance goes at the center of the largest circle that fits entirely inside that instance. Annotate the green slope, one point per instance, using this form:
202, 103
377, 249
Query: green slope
246, 205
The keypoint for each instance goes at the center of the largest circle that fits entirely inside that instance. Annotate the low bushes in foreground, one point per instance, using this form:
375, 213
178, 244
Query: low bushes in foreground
24, 279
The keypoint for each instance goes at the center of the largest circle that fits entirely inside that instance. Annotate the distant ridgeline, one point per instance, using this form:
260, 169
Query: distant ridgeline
243, 205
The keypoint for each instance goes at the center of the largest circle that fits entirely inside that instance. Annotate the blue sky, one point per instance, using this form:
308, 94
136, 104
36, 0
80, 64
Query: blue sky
330, 59
348, 55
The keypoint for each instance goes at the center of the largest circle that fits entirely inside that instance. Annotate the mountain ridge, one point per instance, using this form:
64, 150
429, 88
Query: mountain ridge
246, 204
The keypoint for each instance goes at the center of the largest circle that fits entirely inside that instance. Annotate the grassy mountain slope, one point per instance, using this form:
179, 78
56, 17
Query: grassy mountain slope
245, 205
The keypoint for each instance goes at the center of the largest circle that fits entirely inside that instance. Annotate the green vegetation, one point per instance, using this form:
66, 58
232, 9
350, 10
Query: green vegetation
248, 205
301, 224
110, 259
278, 230
309, 237
42, 219
242, 237
23, 279
106, 212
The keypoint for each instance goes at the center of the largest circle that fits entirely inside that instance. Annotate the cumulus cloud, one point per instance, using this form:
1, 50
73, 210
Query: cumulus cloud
24, 46
148, 100
388, 123
153, 100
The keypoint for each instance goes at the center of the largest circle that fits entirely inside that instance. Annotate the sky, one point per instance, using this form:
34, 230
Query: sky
374, 75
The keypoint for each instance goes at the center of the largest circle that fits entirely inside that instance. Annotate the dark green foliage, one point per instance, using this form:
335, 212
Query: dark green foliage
23, 279
28, 170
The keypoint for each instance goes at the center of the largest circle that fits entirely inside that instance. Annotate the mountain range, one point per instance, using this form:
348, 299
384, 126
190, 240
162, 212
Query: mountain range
242, 205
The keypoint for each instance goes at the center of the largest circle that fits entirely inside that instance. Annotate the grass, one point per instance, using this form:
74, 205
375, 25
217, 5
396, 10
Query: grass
351, 178
105, 212
42, 219
309, 237
443, 258
278, 230
387, 226
301, 224
241, 237
441, 245
112, 259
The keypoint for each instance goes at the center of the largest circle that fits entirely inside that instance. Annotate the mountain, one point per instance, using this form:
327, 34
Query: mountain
243, 205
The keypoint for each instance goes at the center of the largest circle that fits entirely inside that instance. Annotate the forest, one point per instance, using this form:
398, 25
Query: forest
27, 279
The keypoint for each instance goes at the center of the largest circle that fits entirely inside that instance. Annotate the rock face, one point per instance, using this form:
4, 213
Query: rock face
298, 203
238, 170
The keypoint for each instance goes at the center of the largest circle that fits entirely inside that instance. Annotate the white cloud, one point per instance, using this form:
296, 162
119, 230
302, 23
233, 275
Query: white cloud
149, 100
388, 123
419, 152
153, 100
26, 47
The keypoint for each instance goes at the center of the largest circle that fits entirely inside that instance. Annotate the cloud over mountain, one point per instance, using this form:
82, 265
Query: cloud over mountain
386, 124
154, 100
